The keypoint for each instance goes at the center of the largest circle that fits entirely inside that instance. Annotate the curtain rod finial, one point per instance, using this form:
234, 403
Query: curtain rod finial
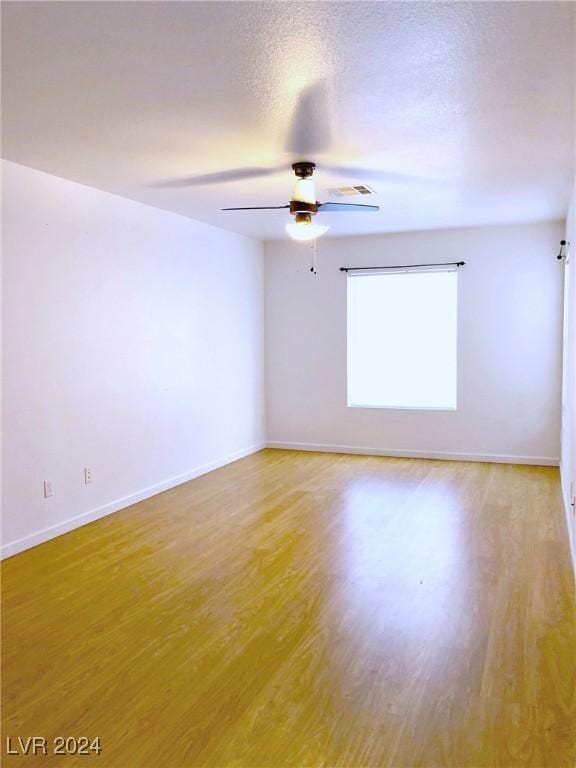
560, 254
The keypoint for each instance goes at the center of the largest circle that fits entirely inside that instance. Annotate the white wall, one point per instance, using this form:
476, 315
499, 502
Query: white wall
568, 450
510, 338
132, 345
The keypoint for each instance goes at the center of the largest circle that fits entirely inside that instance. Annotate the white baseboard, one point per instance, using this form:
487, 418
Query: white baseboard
405, 453
14, 547
38, 537
570, 520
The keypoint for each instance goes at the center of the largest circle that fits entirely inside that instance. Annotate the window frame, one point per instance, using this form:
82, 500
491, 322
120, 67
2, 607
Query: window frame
367, 273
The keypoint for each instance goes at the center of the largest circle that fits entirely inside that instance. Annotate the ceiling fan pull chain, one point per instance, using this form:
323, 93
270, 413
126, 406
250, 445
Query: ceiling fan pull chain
314, 264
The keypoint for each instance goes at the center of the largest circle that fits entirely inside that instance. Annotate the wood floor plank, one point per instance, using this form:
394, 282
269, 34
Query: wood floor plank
300, 609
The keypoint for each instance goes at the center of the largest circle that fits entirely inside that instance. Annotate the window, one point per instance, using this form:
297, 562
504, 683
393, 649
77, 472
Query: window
402, 333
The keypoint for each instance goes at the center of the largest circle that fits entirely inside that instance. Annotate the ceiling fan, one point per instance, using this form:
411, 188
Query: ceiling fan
303, 205
308, 134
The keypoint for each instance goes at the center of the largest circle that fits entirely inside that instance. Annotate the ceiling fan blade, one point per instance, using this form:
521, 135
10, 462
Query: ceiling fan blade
309, 132
347, 207
379, 175
220, 177
257, 208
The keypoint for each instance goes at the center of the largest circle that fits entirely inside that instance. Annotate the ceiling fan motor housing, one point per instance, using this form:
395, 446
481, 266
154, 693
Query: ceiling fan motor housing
297, 206
304, 197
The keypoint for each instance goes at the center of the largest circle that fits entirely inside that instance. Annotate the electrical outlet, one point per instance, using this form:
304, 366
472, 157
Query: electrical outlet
87, 475
48, 489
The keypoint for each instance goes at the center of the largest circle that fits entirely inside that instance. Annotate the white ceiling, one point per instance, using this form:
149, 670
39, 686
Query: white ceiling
475, 101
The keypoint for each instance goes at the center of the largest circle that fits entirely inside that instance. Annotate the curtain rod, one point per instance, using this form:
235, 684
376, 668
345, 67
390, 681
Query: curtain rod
406, 266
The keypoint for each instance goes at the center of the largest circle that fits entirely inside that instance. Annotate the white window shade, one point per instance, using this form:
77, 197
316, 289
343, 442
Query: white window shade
402, 339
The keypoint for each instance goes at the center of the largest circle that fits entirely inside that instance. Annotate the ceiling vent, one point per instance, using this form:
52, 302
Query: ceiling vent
357, 189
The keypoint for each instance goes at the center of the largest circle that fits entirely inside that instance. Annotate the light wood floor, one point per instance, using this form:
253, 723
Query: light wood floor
298, 609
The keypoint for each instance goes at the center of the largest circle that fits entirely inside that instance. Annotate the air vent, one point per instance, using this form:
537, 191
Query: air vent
356, 189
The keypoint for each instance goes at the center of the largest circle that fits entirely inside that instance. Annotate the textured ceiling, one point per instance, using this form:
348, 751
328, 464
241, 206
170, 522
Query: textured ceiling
472, 102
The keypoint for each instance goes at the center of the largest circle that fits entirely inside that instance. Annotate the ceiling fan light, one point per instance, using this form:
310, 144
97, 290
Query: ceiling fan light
305, 230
